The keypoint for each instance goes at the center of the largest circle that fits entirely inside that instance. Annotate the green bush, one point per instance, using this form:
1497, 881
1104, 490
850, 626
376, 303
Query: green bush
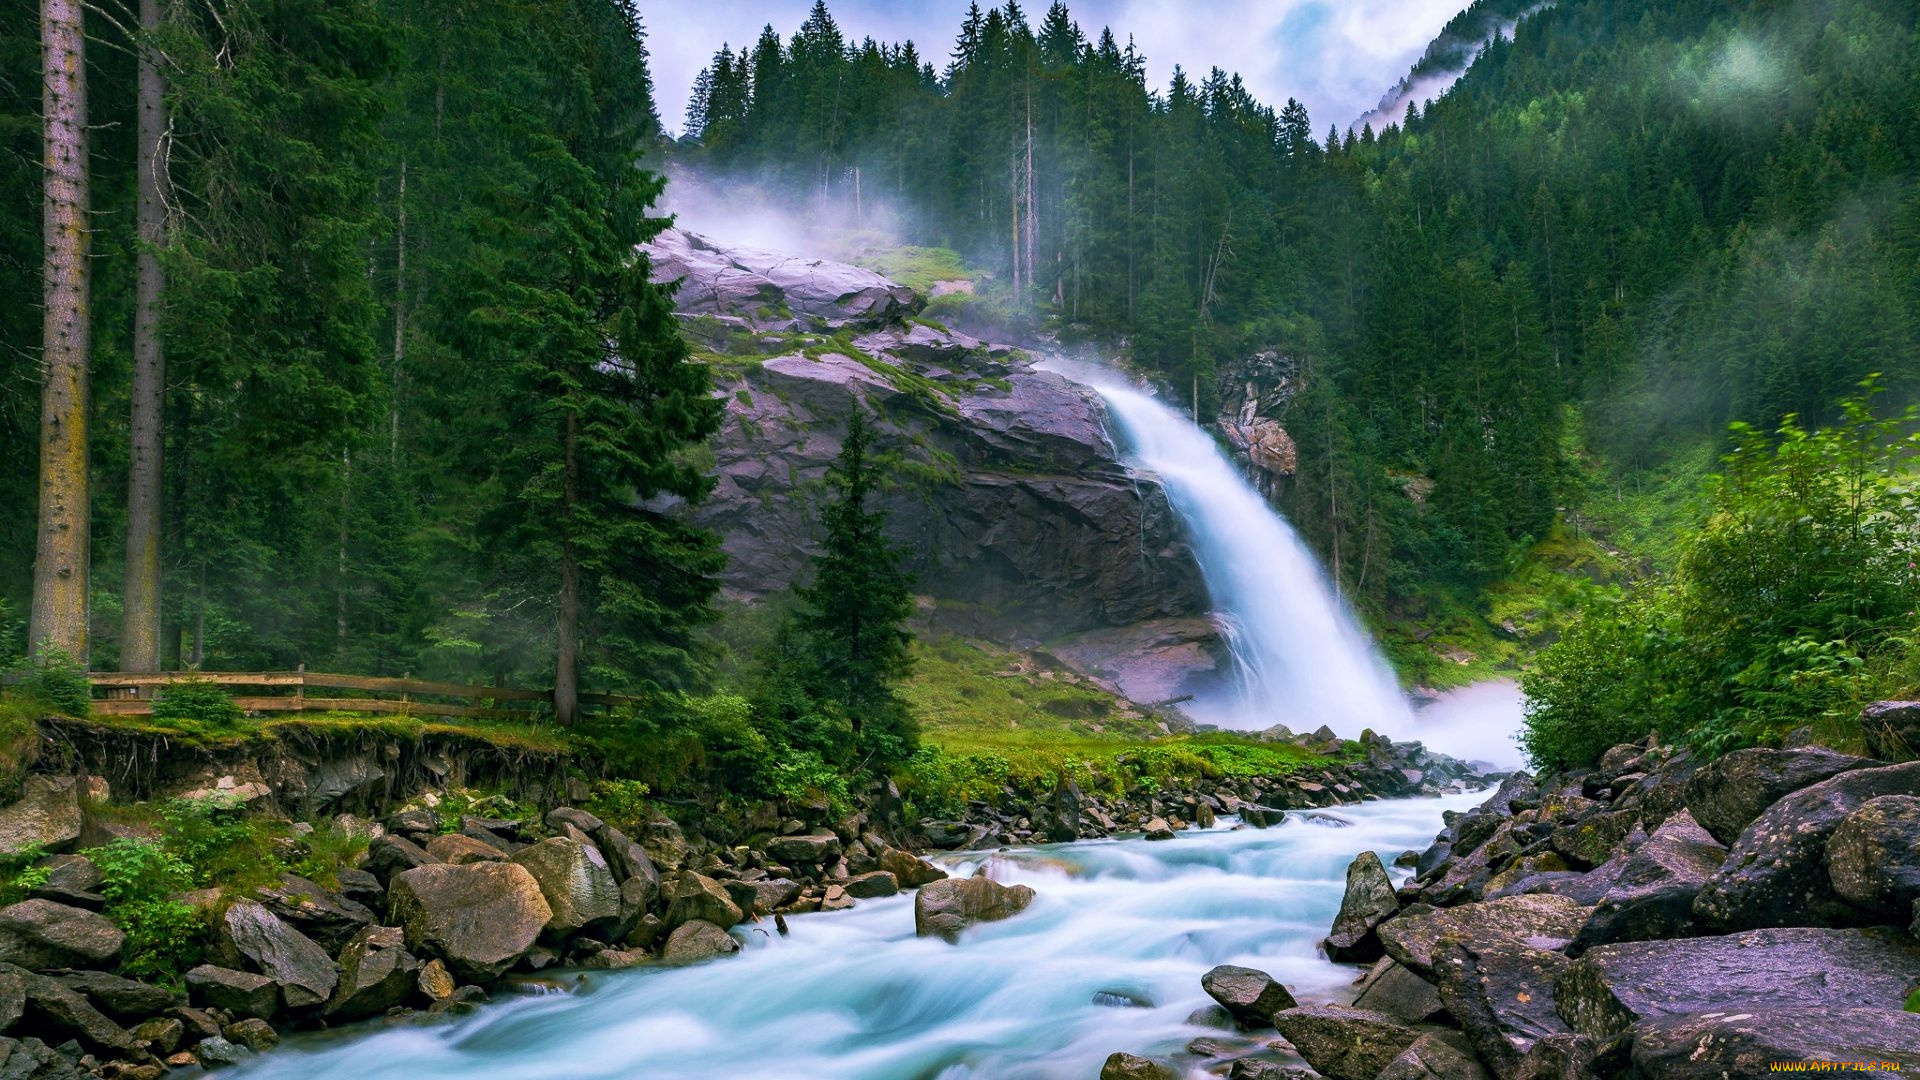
212, 836
55, 681
1596, 687
164, 939
136, 871
622, 804
197, 702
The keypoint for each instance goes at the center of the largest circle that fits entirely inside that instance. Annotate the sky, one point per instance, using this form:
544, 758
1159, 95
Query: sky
1338, 57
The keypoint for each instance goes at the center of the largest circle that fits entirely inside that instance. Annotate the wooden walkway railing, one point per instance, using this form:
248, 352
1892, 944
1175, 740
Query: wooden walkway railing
129, 694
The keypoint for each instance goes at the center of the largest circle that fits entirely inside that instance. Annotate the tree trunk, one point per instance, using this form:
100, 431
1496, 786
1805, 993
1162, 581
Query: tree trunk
140, 626
59, 615
566, 677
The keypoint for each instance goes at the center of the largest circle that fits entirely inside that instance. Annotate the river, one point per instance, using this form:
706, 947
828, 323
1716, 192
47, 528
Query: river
854, 995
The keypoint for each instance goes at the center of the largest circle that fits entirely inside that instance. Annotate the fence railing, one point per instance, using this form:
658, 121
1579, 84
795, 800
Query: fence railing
123, 693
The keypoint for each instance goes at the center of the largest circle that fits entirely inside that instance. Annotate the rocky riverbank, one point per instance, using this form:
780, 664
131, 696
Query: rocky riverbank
1656, 916
448, 899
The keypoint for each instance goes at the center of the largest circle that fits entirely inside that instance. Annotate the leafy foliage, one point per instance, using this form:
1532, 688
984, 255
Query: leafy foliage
197, 702
56, 681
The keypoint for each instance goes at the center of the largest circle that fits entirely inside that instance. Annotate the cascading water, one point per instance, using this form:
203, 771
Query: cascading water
1302, 659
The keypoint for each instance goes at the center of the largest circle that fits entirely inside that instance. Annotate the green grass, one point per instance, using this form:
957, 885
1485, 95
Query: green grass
918, 268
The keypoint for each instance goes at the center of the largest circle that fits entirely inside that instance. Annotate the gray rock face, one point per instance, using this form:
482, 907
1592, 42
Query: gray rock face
46, 1006
1540, 921
328, 918
46, 816
1345, 1043
1776, 872
871, 885
1613, 987
460, 849
242, 993
31, 1059
950, 906
910, 870
1250, 995
698, 898
1501, 995
124, 999
1744, 1042
812, 849
1134, 1067
577, 883
478, 918
1892, 729
1873, 859
1393, 990
1728, 793
769, 290
40, 935
376, 974
1437, 1055
695, 941
1652, 889
1368, 902
252, 937
390, 855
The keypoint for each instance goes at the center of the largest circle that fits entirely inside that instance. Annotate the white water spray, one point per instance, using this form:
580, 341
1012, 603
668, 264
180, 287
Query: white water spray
1302, 659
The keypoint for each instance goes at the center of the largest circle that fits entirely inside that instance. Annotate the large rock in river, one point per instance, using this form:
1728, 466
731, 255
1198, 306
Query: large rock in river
576, 882
1252, 996
1345, 1043
947, 907
1613, 987
1747, 1042
1536, 920
376, 974
1368, 902
478, 918
1727, 794
46, 816
251, 937
1776, 873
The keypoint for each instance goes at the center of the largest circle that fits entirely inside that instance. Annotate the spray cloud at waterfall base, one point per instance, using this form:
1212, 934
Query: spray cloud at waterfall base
1300, 657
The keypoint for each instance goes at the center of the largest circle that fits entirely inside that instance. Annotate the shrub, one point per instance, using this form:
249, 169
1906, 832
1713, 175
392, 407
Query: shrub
197, 702
621, 803
56, 681
1594, 688
136, 871
164, 939
213, 838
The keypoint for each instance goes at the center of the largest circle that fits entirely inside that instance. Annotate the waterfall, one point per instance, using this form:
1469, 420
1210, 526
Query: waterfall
1300, 656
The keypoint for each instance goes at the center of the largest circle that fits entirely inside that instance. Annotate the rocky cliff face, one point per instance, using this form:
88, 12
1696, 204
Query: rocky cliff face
1009, 498
1254, 394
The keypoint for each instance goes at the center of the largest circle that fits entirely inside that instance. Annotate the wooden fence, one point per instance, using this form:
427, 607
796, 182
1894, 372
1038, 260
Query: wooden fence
129, 694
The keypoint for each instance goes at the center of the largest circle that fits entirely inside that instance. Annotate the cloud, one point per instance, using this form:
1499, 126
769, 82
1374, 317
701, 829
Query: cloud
1336, 56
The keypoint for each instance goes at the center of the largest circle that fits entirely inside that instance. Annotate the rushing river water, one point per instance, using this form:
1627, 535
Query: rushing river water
854, 995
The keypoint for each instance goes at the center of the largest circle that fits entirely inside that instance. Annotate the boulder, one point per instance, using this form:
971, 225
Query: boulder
1345, 1043
219, 1050
1255, 1069
1537, 920
577, 883
435, 982
1252, 996
1613, 987
697, 940
566, 815
1133, 1067
1776, 872
1746, 1042
376, 974
628, 861
1393, 990
871, 885
162, 1032
1651, 890
479, 918
40, 934
1157, 828
949, 906
251, 937
390, 855
1062, 818
663, 844
46, 816
361, 888
1564, 1057
48, 1007
1436, 1055
1892, 729
1727, 794
255, 1034
31, 1059
696, 897
1873, 858
242, 993
908, 869
1368, 902
124, 999
1593, 839
810, 849
330, 919
460, 849
772, 288
1501, 995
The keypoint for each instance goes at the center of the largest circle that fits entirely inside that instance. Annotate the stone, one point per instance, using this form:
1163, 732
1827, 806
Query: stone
908, 869
1727, 794
330, 919
413, 820
1651, 890
163, 1033
460, 849
71, 873
1434, 1056
664, 844
1593, 839
1501, 994
811, 849
1157, 828
1892, 729
1368, 902
579, 819
361, 888
435, 982
46, 816
1345, 1043
1252, 996
729, 280
835, 898
31, 1059
1255, 1069
1776, 872
242, 993
1746, 1041
391, 855
772, 893
251, 937
947, 907
1534, 919
123, 999
1565, 1056
871, 885
1133, 1067
1873, 858
578, 886
1062, 817
628, 861
198, 1023
48, 1007
1394, 991
698, 897
479, 918
253, 1033
1613, 987
377, 973
218, 1051
697, 940
40, 935
616, 959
